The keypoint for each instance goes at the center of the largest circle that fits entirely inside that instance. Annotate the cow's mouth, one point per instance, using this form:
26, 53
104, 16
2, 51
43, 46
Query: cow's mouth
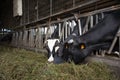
58, 59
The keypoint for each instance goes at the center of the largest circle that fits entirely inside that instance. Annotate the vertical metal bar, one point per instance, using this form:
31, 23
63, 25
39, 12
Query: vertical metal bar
112, 45
80, 28
59, 28
63, 31
86, 25
102, 14
73, 3
24, 11
66, 30
69, 27
21, 21
28, 11
91, 21
37, 9
50, 7
96, 20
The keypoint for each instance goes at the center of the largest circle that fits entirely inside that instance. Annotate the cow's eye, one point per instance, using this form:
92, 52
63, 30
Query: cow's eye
82, 46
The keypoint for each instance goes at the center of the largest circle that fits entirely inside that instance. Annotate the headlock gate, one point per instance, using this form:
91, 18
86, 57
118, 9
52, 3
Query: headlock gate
33, 38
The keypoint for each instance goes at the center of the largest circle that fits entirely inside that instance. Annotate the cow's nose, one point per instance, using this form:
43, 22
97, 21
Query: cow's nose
51, 59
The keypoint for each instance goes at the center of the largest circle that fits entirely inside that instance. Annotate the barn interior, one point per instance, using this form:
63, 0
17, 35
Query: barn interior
26, 24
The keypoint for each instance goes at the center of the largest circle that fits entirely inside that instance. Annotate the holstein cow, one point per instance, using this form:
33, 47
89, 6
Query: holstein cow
77, 48
52, 45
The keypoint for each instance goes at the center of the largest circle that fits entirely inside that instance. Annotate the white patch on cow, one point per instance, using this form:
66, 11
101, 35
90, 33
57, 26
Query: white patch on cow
56, 48
71, 41
116, 52
74, 34
73, 24
51, 59
51, 43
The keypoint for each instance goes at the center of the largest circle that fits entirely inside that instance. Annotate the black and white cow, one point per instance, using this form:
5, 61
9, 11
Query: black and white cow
52, 44
77, 48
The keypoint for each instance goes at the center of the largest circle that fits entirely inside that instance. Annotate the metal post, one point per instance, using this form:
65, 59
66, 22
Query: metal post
63, 29
50, 7
66, 30
59, 28
69, 25
73, 3
102, 14
91, 21
17, 38
86, 25
80, 28
96, 16
37, 9
113, 43
28, 11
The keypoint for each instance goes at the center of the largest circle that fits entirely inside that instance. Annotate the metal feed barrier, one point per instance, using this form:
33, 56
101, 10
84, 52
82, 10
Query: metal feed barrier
33, 38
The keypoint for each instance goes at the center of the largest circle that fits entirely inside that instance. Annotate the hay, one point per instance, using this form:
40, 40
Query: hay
19, 64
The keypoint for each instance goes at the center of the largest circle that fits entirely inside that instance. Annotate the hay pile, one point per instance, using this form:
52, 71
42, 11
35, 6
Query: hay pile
19, 64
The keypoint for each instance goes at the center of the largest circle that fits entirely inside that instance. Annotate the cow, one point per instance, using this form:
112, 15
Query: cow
77, 48
52, 44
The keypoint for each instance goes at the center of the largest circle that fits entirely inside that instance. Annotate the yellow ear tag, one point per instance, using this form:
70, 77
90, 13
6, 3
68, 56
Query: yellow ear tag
82, 46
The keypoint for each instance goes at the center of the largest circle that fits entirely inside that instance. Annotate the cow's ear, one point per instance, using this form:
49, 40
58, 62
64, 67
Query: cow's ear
82, 46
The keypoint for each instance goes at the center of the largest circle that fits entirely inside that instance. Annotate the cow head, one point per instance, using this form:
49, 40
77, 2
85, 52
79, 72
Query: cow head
52, 46
73, 50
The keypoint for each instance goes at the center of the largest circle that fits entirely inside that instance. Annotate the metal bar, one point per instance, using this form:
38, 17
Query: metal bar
28, 11
113, 43
69, 27
59, 28
49, 23
62, 32
73, 3
50, 7
37, 9
86, 25
66, 30
80, 28
102, 14
112, 46
24, 11
91, 21
96, 20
